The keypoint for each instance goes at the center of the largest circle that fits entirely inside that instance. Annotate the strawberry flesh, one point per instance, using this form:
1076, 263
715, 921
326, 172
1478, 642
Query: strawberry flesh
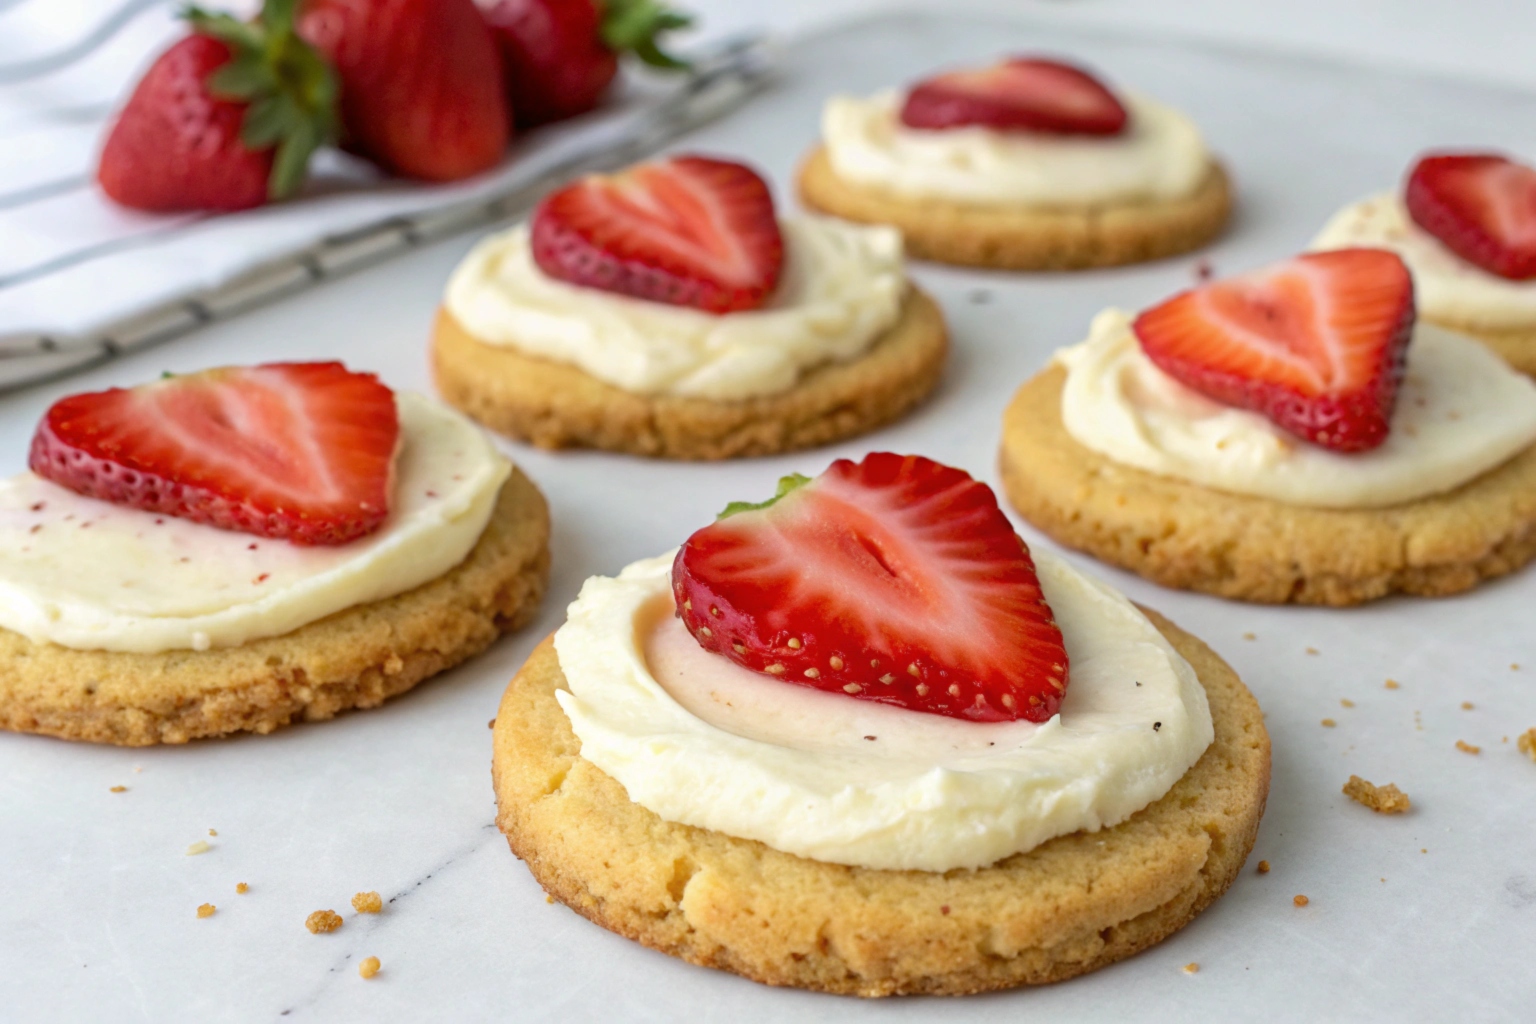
302, 452
895, 579
1317, 343
687, 231
1482, 206
1021, 94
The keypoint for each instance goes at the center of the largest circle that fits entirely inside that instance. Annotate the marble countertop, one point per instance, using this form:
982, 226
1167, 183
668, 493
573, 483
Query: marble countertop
1431, 915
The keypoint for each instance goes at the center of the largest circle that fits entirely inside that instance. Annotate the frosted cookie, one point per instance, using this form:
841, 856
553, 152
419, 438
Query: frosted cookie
860, 739
1292, 435
242, 548
1466, 226
668, 311
1027, 165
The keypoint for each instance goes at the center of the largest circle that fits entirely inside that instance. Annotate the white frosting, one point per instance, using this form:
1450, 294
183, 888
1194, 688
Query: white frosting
1160, 155
1460, 413
90, 575
727, 749
1446, 287
842, 287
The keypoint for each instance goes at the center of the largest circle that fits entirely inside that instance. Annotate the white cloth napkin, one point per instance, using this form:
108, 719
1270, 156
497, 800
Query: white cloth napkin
82, 279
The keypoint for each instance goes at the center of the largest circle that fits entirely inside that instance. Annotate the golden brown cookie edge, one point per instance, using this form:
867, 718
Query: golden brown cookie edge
553, 405
1027, 237
675, 895
355, 658
1189, 537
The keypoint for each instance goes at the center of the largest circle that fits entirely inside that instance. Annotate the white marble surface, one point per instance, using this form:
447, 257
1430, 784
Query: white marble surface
97, 894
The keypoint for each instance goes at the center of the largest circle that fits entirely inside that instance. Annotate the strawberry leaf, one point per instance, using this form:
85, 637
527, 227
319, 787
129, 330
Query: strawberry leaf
635, 25
787, 484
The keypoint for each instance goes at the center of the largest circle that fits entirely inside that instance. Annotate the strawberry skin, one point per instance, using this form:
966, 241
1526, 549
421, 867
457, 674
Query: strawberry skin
175, 147
895, 579
687, 231
1020, 94
559, 56
302, 452
1482, 206
1317, 344
421, 88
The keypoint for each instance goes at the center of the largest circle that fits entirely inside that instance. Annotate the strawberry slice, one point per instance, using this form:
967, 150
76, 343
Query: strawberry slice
1316, 343
1020, 94
1482, 206
895, 579
687, 231
302, 452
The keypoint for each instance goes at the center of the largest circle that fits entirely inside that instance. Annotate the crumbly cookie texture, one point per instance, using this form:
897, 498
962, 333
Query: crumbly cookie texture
1386, 799
558, 406
1027, 237
1516, 346
356, 658
1071, 905
1190, 537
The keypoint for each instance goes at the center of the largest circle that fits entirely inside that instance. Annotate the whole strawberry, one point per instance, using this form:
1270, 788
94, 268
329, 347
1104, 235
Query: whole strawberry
226, 119
420, 83
559, 56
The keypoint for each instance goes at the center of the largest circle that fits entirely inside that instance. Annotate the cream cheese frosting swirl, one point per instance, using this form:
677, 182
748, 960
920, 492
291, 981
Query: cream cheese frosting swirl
700, 740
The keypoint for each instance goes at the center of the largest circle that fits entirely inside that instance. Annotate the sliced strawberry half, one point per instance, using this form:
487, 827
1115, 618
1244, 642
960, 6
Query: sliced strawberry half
895, 579
1482, 206
1317, 343
687, 231
302, 452
1021, 94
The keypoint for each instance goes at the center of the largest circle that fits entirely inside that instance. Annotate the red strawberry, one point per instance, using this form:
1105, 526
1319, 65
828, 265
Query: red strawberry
895, 579
1482, 206
302, 452
1022, 94
689, 231
1317, 343
559, 56
224, 120
420, 83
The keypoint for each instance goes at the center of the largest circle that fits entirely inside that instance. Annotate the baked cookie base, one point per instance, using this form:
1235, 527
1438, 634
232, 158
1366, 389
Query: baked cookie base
356, 658
1191, 537
553, 405
1069, 906
1026, 237
1516, 346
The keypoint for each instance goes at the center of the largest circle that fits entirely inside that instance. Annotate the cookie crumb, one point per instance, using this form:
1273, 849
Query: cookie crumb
1386, 799
242, 888
1527, 743
491, 724
206, 910
1423, 851
1466, 705
1393, 684
1312, 650
1514, 666
1263, 867
201, 846
118, 789
1467, 748
548, 898
213, 831
1329, 723
322, 921
1250, 636
369, 967
1191, 968
1300, 901
1345, 702
367, 903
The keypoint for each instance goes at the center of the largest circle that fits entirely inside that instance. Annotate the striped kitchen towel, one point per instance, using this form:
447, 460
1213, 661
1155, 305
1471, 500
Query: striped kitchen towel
82, 280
